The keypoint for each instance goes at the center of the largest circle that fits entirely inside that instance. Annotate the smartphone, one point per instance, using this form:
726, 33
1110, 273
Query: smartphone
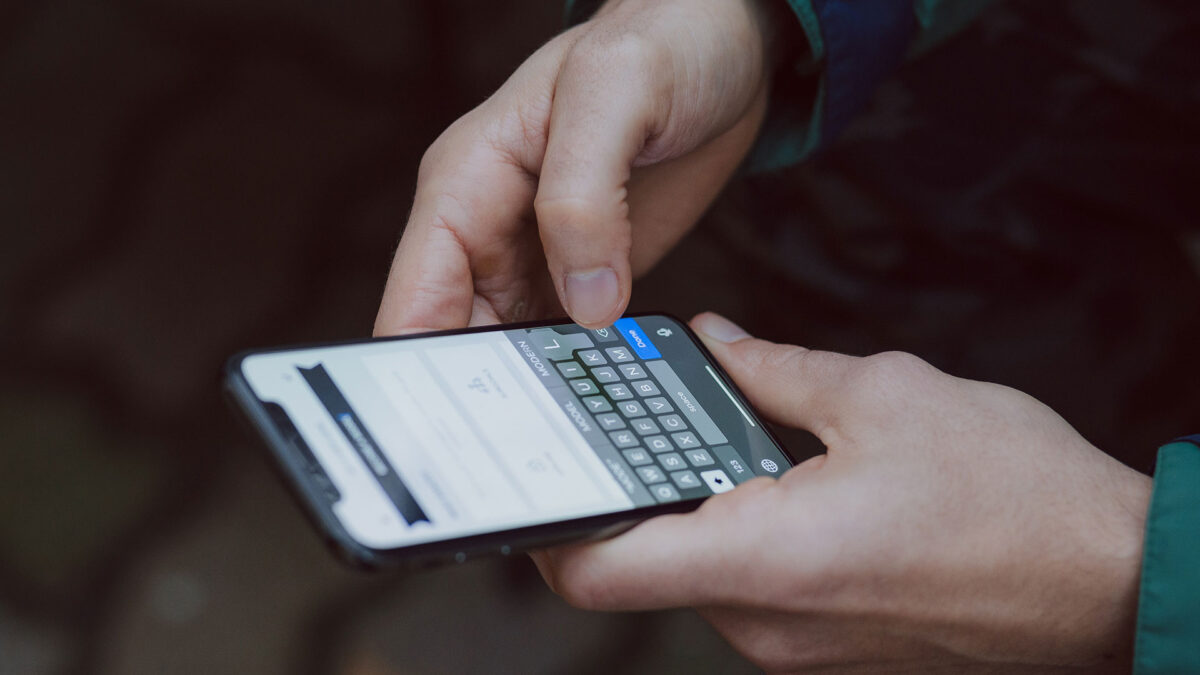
444, 446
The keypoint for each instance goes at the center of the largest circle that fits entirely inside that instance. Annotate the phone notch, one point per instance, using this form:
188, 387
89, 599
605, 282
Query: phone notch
306, 460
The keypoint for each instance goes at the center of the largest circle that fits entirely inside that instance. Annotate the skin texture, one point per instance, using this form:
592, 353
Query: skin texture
594, 159
951, 524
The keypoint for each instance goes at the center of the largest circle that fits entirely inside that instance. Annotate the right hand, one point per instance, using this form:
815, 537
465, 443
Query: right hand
951, 526
598, 154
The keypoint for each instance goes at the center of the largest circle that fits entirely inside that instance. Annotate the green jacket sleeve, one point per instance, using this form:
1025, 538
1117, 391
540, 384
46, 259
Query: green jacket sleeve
852, 46
1168, 622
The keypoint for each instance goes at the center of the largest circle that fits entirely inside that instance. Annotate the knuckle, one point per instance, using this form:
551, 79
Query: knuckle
589, 228
891, 367
882, 382
449, 147
560, 210
779, 358
439, 230
431, 159
605, 48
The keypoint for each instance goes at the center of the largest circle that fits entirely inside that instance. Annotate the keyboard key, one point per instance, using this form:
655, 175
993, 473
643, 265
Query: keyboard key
592, 357
604, 334
618, 392
685, 440
652, 474
610, 421
605, 375
672, 422
584, 387
637, 457
571, 369
631, 409
597, 404
671, 461
734, 464
699, 457
558, 346
632, 371
659, 444
644, 426
658, 405
619, 354
717, 481
645, 388
623, 439
697, 418
665, 493
684, 479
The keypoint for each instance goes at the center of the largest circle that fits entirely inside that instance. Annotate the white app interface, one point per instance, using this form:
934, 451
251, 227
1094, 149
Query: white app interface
433, 438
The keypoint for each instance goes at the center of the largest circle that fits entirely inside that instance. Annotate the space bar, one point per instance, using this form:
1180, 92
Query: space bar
673, 386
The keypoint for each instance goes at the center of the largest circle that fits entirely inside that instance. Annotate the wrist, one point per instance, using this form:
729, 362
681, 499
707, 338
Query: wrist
1118, 535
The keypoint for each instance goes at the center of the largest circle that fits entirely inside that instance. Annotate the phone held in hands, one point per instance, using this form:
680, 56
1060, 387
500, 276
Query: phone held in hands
444, 446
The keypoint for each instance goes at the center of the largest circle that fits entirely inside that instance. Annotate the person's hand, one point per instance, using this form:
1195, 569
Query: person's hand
951, 523
583, 170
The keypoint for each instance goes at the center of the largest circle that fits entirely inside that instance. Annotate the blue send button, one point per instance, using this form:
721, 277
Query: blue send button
636, 337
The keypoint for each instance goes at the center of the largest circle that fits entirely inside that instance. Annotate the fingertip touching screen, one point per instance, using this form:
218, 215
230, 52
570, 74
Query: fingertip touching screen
449, 436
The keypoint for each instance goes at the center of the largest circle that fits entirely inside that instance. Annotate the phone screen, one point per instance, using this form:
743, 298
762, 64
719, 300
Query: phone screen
432, 438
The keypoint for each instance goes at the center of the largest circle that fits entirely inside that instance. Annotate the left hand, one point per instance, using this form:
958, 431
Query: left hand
951, 524
584, 169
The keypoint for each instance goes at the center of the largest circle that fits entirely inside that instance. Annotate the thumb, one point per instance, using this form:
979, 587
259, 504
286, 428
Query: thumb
603, 103
791, 385
667, 561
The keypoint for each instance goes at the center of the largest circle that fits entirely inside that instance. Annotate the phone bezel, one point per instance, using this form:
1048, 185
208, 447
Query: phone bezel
287, 460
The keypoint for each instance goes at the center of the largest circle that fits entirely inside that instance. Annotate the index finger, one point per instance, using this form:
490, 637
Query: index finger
467, 203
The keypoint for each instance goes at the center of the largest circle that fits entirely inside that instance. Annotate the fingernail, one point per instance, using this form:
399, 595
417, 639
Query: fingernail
592, 295
719, 328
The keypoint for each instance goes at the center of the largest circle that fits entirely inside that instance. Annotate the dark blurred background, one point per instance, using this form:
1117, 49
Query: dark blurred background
185, 178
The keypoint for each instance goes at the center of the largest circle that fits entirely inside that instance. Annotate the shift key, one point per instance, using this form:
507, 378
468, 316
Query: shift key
673, 388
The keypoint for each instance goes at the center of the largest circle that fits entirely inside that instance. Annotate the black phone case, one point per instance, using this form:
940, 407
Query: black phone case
292, 463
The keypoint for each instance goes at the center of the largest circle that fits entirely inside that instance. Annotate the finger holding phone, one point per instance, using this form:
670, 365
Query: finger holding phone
595, 157
951, 523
